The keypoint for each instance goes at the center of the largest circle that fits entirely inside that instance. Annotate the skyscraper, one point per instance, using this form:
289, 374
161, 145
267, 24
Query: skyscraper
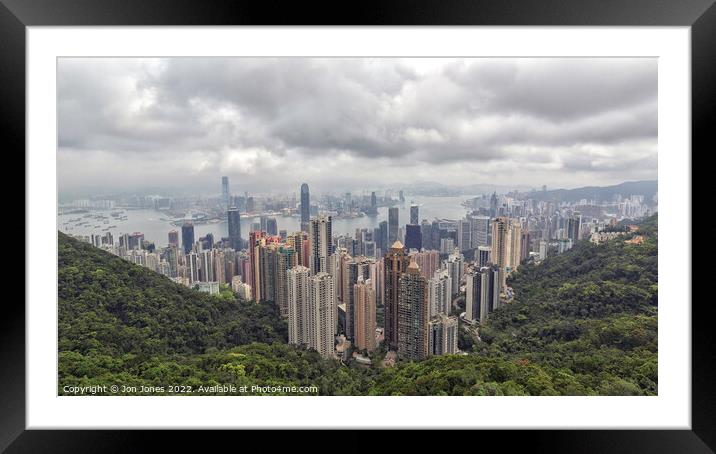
482, 293
464, 235
256, 241
321, 243
173, 238
322, 314
234, 219
225, 194
483, 256
439, 293
305, 207
392, 225
192, 265
187, 236
442, 335
479, 231
383, 237
413, 237
455, 266
373, 203
271, 226
364, 295
506, 242
298, 295
394, 265
207, 265
428, 261
574, 224
412, 315
414, 214
352, 270
426, 233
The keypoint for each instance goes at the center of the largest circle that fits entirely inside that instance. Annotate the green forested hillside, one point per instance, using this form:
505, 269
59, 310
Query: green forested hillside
583, 322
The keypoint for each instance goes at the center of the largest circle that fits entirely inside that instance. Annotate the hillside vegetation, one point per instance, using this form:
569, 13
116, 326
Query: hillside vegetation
582, 323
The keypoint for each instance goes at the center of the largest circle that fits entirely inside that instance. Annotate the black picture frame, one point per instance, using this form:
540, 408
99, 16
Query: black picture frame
700, 15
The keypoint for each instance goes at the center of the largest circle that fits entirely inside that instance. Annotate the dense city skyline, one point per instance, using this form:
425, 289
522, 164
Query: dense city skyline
176, 123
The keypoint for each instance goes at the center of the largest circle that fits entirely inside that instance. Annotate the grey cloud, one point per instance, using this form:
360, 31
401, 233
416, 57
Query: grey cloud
249, 115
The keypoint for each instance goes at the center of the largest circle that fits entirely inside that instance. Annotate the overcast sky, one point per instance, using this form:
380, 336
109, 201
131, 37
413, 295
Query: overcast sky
130, 124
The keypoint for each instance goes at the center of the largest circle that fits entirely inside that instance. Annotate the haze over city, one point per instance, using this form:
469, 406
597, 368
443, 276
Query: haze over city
269, 124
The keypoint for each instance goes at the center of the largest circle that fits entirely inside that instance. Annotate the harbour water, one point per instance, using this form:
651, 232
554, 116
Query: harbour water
155, 225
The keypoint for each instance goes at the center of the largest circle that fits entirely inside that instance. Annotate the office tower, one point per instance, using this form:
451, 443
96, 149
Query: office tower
542, 250
376, 281
135, 240
369, 249
501, 246
364, 295
479, 226
401, 195
192, 263
464, 234
225, 194
305, 208
351, 271
173, 238
207, 242
482, 292
230, 266
393, 224
412, 315
414, 214
493, 205
263, 226
234, 219
413, 237
283, 258
322, 314
383, 237
295, 241
515, 245
483, 256
426, 234
373, 203
439, 293
256, 241
454, 265
219, 266
442, 335
298, 297
395, 263
428, 261
525, 248
271, 226
447, 245
321, 243
172, 258
207, 265
187, 236
574, 225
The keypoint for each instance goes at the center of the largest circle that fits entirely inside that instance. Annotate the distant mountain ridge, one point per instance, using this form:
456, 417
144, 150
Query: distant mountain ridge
646, 188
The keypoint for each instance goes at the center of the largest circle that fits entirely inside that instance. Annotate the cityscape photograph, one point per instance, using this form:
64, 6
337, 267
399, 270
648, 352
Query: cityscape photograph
357, 226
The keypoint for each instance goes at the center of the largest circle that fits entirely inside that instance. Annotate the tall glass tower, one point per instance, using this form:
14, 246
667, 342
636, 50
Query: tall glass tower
305, 207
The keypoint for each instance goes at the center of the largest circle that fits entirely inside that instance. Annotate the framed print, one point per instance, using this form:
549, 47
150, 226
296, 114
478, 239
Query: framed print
417, 216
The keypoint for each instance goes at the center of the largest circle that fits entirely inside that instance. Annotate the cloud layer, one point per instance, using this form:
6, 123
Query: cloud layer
269, 124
